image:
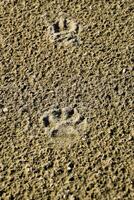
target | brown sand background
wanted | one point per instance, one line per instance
(95, 76)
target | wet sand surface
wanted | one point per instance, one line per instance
(66, 99)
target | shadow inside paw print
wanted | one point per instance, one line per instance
(64, 30)
(63, 122)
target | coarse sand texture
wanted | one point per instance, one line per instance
(66, 100)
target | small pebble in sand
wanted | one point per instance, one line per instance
(5, 109)
(124, 70)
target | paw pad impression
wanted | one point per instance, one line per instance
(64, 30)
(63, 122)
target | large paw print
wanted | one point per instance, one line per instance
(64, 30)
(63, 122)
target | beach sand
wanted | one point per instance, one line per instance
(66, 100)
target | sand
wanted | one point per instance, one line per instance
(77, 57)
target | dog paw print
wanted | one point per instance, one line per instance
(63, 122)
(64, 30)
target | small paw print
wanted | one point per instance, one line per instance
(64, 30)
(63, 122)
